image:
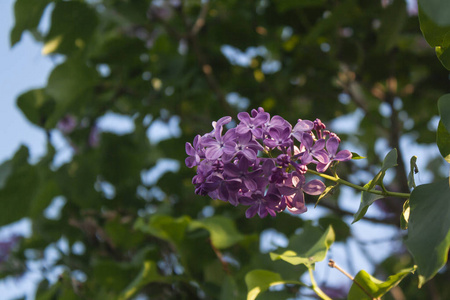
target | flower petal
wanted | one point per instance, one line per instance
(314, 187)
(343, 155)
(304, 125)
(332, 146)
(251, 211)
(213, 153)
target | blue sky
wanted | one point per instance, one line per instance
(22, 68)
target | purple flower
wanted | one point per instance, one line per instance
(223, 189)
(7, 246)
(94, 137)
(215, 146)
(278, 138)
(261, 202)
(242, 145)
(252, 124)
(294, 189)
(313, 150)
(241, 171)
(194, 153)
(276, 122)
(332, 146)
(67, 124)
(301, 127)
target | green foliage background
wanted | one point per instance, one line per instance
(165, 62)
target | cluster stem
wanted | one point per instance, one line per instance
(338, 180)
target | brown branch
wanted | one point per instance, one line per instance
(200, 22)
(207, 70)
(220, 257)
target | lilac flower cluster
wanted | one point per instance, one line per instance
(258, 163)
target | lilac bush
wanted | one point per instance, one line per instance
(262, 162)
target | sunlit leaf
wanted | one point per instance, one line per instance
(404, 217)
(165, 227)
(222, 230)
(373, 286)
(413, 170)
(149, 273)
(315, 252)
(259, 281)
(357, 156)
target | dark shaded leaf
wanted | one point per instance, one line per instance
(443, 141)
(429, 229)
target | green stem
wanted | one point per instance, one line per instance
(359, 188)
(316, 288)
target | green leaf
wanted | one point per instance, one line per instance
(317, 250)
(72, 25)
(429, 229)
(36, 106)
(20, 184)
(259, 281)
(165, 227)
(70, 80)
(404, 218)
(149, 273)
(444, 110)
(27, 14)
(438, 36)
(357, 156)
(390, 160)
(375, 287)
(5, 171)
(392, 22)
(413, 170)
(367, 199)
(69, 84)
(113, 275)
(438, 10)
(325, 193)
(222, 230)
(443, 141)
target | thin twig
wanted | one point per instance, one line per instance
(332, 264)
